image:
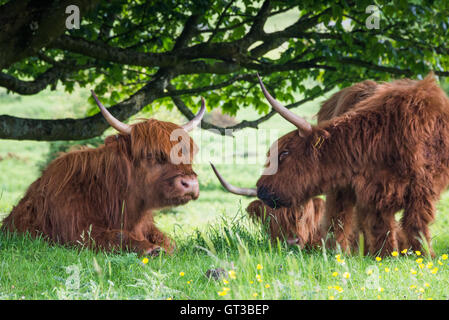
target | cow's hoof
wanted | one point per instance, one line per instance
(154, 252)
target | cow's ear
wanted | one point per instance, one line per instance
(318, 138)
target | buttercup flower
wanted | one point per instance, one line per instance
(444, 256)
(259, 267)
(334, 274)
(404, 251)
(346, 275)
(267, 286)
(418, 253)
(413, 271)
(145, 260)
(232, 274)
(182, 274)
(419, 260)
(394, 253)
(378, 259)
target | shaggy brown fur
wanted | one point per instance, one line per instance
(104, 197)
(302, 226)
(391, 150)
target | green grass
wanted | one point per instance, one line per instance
(212, 232)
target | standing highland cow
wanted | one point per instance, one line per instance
(104, 198)
(391, 150)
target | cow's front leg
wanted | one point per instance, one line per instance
(146, 229)
(379, 228)
(114, 239)
(418, 214)
(340, 217)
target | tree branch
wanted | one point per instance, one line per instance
(79, 129)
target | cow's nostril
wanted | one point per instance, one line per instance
(184, 184)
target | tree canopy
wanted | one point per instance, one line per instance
(134, 53)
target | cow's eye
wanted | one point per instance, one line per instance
(283, 155)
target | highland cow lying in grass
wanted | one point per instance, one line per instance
(300, 226)
(104, 197)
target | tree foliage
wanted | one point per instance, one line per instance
(134, 53)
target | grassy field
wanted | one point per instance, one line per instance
(212, 232)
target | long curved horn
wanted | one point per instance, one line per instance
(249, 192)
(299, 122)
(116, 124)
(192, 124)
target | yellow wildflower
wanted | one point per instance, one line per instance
(396, 269)
(145, 260)
(418, 253)
(346, 275)
(387, 270)
(331, 298)
(404, 251)
(413, 271)
(419, 260)
(440, 263)
(258, 278)
(225, 281)
(232, 274)
(267, 286)
(421, 290)
(434, 270)
(380, 289)
(429, 265)
(369, 272)
(255, 294)
(378, 259)
(426, 285)
(444, 256)
(334, 274)
(421, 266)
(412, 286)
(226, 289)
(169, 298)
(394, 253)
(182, 274)
(222, 293)
(259, 267)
